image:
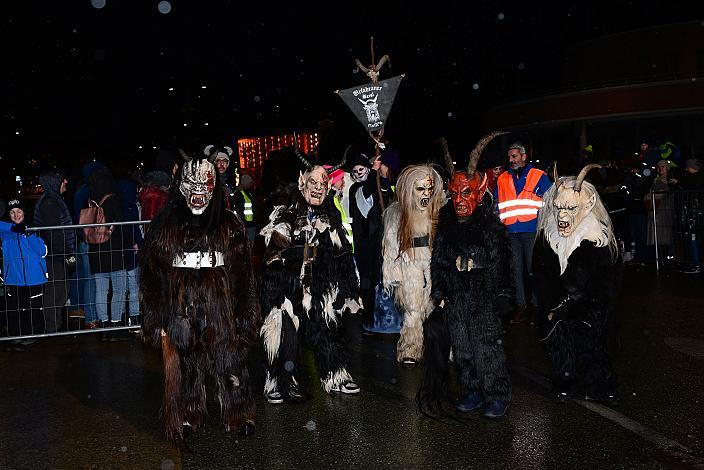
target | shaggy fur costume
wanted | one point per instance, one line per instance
(205, 320)
(470, 322)
(308, 297)
(576, 282)
(411, 278)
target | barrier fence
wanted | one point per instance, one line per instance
(48, 290)
(676, 227)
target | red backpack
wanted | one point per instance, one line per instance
(94, 214)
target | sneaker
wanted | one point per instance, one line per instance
(295, 394)
(91, 325)
(274, 397)
(690, 270)
(471, 402)
(495, 409)
(349, 388)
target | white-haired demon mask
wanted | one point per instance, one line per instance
(197, 184)
(573, 201)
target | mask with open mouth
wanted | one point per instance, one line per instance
(197, 184)
(314, 184)
(574, 200)
(467, 193)
(423, 191)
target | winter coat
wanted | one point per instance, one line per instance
(23, 262)
(51, 210)
(154, 194)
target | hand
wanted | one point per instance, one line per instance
(377, 164)
(19, 228)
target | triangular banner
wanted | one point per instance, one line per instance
(372, 102)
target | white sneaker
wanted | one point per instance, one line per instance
(274, 397)
(349, 388)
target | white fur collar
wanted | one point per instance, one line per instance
(589, 229)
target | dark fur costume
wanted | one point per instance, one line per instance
(209, 316)
(470, 322)
(577, 345)
(331, 280)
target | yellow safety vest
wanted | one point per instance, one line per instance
(248, 211)
(345, 223)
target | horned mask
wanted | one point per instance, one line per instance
(467, 188)
(197, 184)
(314, 182)
(573, 200)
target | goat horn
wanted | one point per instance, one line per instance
(448, 158)
(477, 151)
(302, 158)
(361, 66)
(339, 165)
(555, 176)
(583, 174)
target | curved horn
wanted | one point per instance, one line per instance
(555, 176)
(583, 174)
(302, 158)
(360, 66)
(382, 61)
(339, 165)
(448, 158)
(477, 152)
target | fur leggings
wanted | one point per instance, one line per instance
(184, 387)
(475, 335)
(579, 351)
(282, 346)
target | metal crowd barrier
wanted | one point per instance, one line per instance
(676, 227)
(94, 288)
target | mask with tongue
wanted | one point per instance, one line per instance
(197, 184)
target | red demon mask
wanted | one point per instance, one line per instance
(467, 193)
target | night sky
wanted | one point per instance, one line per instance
(79, 80)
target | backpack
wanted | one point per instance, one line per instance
(94, 214)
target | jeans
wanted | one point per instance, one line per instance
(522, 248)
(133, 291)
(119, 287)
(86, 284)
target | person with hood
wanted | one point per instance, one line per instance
(127, 191)
(155, 191)
(107, 259)
(52, 211)
(24, 274)
(83, 295)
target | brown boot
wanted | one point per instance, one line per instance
(519, 314)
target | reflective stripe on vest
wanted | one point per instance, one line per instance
(248, 212)
(345, 222)
(522, 207)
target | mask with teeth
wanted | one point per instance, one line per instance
(197, 184)
(314, 184)
(360, 173)
(423, 191)
(466, 193)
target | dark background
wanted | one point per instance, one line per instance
(81, 82)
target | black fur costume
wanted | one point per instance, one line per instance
(470, 322)
(332, 283)
(578, 331)
(205, 320)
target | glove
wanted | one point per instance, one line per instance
(70, 262)
(19, 228)
(503, 306)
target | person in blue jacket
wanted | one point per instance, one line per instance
(24, 274)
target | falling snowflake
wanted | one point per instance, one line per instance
(521, 66)
(475, 86)
(501, 16)
(310, 425)
(288, 365)
(164, 7)
(257, 99)
(97, 3)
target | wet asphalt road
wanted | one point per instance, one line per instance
(77, 402)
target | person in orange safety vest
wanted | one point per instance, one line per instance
(519, 195)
